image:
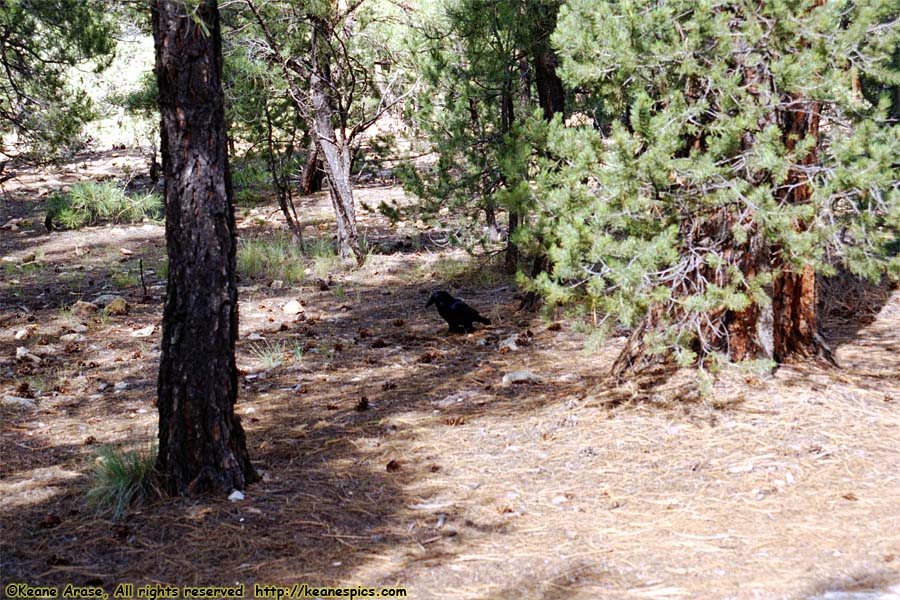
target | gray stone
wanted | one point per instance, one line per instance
(522, 377)
(17, 402)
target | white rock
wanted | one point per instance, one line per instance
(522, 377)
(71, 337)
(21, 352)
(77, 328)
(21, 334)
(277, 284)
(236, 496)
(121, 386)
(144, 332)
(292, 308)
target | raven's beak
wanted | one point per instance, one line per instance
(430, 301)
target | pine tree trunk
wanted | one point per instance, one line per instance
(789, 328)
(334, 148)
(201, 442)
(794, 294)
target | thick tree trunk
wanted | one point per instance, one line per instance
(201, 442)
(789, 327)
(794, 293)
(334, 147)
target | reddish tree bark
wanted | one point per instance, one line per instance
(794, 293)
(201, 442)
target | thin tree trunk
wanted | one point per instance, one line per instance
(280, 180)
(312, 176)
(334, 148)
(202, 447)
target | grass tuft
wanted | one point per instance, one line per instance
(269, 354)
(122, 479)
(90, 203)
(280, 258)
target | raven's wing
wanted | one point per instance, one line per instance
(463, 310)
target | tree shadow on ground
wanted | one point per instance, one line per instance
(848, 303)
(856, 586)
(334, 493)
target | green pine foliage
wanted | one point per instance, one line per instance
(42, 41)
(478, 84)
(674, 214)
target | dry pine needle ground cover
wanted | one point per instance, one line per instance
(394, 455)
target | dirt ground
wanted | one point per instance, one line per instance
(394, 455)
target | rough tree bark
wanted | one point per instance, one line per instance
(789, 328)
(201, 442)
(794, 293)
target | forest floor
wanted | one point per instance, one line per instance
(393, 454)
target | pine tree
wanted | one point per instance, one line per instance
(40, 43)
(740, 160)
(489, 68)
(201, 441)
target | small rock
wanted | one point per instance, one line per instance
(454, 399)
(117, 307)
(12, 259)
(236, 496)
(255, 337)
(21, 352)
(17, 402)
(29, 257)
(21, 334)
(121, 386)
(292, 308)
(71, 337)
(126, 251)
(522, 377)
(84, 309)
(144, 331)
(277, 285)
(77, 328)
(104, 299)
(508, 345)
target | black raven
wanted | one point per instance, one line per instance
(457, 313)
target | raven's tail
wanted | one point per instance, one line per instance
(484, 320)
